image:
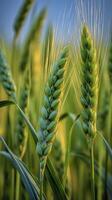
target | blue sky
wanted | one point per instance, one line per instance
(56, 8)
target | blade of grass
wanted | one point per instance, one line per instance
(28, 180)
(5, 103)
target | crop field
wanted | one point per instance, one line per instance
(56, 101)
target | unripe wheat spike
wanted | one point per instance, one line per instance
(22, 15)
(89, 86)
(34, 33)
(21, 137)
(6, 78)
(48, 120)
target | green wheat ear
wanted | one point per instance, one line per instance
(21, 137)
(22, 15)
(48, 120)
(6, 78)
(89, 86)
(33, 35)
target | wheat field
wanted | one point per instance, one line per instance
(56, 103)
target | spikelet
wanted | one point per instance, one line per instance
(22, 15)
(6, 78)
(21, 138)
(34, 33)
(48, 120)
(89, 86)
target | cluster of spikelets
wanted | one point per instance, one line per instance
(33, 35)
(49, 112)
(22, 14)
(89, 85)
(6, 78)
(21, 137)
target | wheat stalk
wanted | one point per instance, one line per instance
(49, 112)
(57, 155)
(6, 78)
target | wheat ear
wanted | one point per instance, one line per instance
(33, 35)
(6, 78)
(89, 91)
(22, 15)
(89, 87)
(48, 120)
(21, 137)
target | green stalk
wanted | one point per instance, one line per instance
(41, 183)
(67, 155)
(109, 138)
(92, 169)
(17, 195)
(110, 118)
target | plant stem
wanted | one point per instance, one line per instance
(109, 138)
(17, 186)
(67, 155)
(41, 184)
(92, 170)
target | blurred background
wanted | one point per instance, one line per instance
(63, 14)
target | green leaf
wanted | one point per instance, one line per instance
(85, 158)
(69, 115)
(107, 145)
(5, 103)
(30, 184)
(32, 130)
(54, 181)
